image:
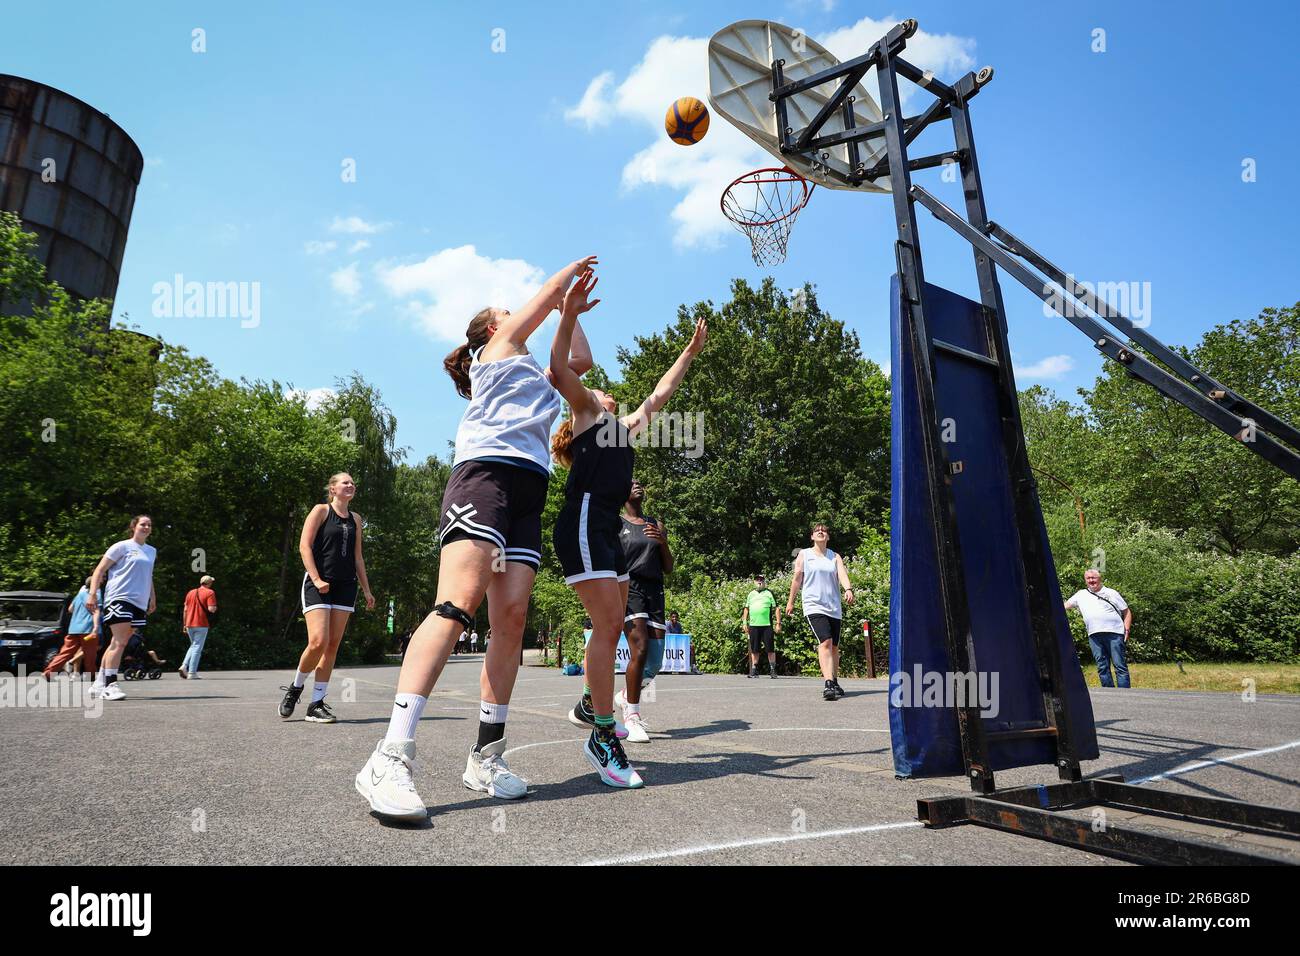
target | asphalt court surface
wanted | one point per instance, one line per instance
(738, 771)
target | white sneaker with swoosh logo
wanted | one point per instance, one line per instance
(385, 781)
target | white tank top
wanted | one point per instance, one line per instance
(821, 584)
(510, 414)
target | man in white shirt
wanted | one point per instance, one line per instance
(1108, 619)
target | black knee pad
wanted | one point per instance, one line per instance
(447, 609)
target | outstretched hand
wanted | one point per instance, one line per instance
(577, 300)
(699, 338)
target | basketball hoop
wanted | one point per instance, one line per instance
(763, 205)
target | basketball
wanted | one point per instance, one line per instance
(687, 121)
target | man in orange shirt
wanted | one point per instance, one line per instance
(199, 605)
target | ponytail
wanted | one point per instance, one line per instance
(562, 443)
(458, 361)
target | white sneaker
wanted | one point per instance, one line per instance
(486, 772)
(113, 692)
(637, 731)
(620, 699)
(385, 781)
(96, 691)
(611, 763)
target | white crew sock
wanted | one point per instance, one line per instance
(407, 710)
(300, 678)
(318, 692)
(492, 713)
(630, 708)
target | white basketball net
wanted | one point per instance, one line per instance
(764, 205)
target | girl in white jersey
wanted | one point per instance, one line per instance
(818, 575)
(128, 596)
(491, 536)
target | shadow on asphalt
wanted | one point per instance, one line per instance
(1159, 753)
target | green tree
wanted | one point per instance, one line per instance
(795, 428)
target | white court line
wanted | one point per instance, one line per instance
(1213, 761)
(757, 841)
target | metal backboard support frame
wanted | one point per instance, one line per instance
(799, 143)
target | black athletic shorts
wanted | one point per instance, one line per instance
(645, 600)
(120, 612)
(760, 636)
(826, 628)
(496, 502)
(342, 596)
(587, 541)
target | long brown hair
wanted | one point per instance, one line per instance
(136, 520)
(562, 443)
(457, 362)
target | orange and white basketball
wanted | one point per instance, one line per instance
(687, 121)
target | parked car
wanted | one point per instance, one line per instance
(32, 627)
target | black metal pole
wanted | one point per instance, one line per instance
(943, 516)
(1040, 593)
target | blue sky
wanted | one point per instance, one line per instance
(553, 148)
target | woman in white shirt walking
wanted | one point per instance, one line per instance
(127, 567)
(818, 575)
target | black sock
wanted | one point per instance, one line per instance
(586, 704)
(110, 679)
(489, 734)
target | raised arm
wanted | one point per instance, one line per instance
(561, 372)
(516, 327)
(577, 301)
(640, 418)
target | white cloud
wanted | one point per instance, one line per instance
(314, 397)
(354, 225)
(445, 290)
(1054, 366)
(358, 246)
(346, 281)
(314, 247)
(678, 66)
(594, 108)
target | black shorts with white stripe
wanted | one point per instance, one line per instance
(645, 600)
(587, 541)
(122, 612)
(496, 502)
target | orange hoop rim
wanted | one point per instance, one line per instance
(749, 179)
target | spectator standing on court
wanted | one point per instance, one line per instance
(760, 604)
(1108, 620)
(200, 605)
(473, 642)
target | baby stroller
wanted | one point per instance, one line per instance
(139, 663)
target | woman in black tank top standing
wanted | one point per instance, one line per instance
(330, 546)
(597, 448)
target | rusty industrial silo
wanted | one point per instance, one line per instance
(70, 173)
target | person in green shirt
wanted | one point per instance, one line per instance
(757, 620)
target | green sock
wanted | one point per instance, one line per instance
(605, 725)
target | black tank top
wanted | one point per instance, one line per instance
(644, 559)
(335, 547)
(602, 463)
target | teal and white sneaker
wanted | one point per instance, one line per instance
(486, 772)
(581, 716)
(611, 764)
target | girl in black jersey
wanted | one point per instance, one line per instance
(330, 546)
(645, 544)
(597, 448)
